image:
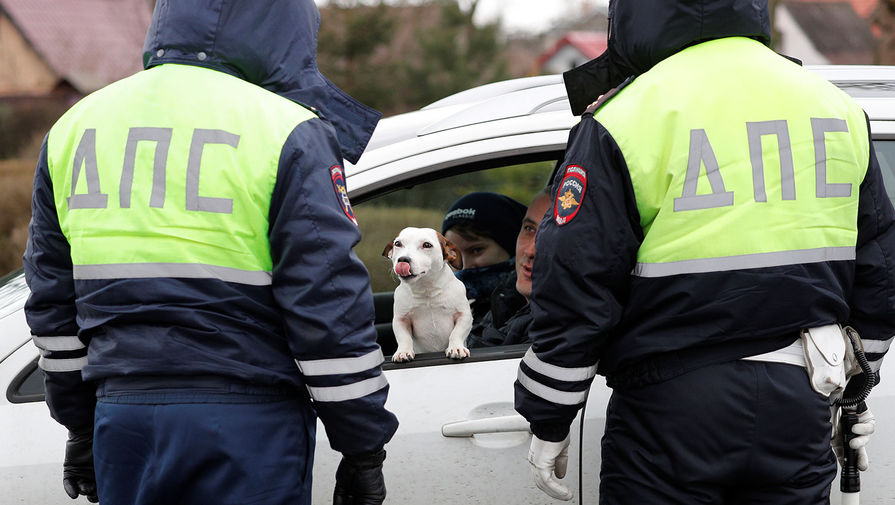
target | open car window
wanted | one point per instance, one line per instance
(423, 205)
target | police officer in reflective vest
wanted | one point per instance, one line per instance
(195, 297)
(717, 200)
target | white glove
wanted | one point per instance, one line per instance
(863, 428)
(548, 459)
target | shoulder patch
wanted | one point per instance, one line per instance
(342, 192)
(570, 194)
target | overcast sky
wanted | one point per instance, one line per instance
(530, 15)
(526, 15)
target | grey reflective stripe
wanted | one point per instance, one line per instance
(550, 394)
(194, 165)
(742, 262)
(824, 189)
(877, 346)
(162, 139)
(701, 153)
(58, 343)
(62, 365)
(86, 155)
(557, 372)
(185, 270)
(334, 366)
(354, 391)
(754, 132)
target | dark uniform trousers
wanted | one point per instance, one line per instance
(743, 432)
(215, 445)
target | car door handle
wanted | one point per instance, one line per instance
(501, 424)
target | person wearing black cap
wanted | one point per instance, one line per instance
(509, 319)
(484, 226)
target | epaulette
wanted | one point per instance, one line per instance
(317, 112)
(605, 97)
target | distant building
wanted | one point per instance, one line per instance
(882, 20)
(572, 50)
(826, 31)
(864, 7)
(818, 32)
(66, 47)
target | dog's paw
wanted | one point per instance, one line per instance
(457, 352)
(402, 356)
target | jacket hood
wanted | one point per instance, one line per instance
(270, 43)
(644, 32)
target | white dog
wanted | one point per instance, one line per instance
(431, 312)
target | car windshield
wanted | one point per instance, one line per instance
(13, 292)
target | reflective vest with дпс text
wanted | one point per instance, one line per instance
(148, 191)
(757, 183)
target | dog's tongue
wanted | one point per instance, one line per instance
(402, 269)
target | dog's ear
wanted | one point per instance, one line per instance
(450, 252)
(387, 252)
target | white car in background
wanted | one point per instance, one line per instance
(460, 441)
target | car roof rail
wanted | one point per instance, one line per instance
(494, 89)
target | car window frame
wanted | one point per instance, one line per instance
(480, 354)
(513, 351)
(13, 394)
(459, 169)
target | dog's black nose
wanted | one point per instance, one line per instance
(404, 259)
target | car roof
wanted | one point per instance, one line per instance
(500, 100)
(533, 95)
(522, 108)
(13, 294)
(502, 118)
(872, 86)
(860, 80)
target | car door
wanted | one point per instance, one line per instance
(32, 444)
(460, 439)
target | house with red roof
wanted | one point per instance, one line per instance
(66, 47)
(572, 50)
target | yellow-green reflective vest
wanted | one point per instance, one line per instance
(756, 183)
(177, 187)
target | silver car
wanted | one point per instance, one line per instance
(460, 441)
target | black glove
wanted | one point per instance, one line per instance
(78, 477)
(359, 480)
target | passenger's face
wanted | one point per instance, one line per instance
(525, 243)
(477, 251)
